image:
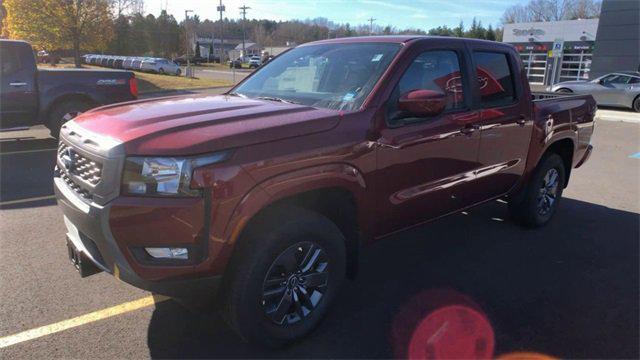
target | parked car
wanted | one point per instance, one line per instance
(126, 64)
(32, 96)
(235, 63)
(160, 66)
(43, 56)
(255, 62)
(193, 60)
(136, 63)
(619, 89)
(265, 194)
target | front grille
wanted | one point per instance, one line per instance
(75, 187)
(79, 172)
(87, 170)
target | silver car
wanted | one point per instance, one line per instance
(619, 89)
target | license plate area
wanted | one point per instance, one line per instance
(80, 261)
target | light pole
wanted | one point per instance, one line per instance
(186, 36)
(371, 20)
(221, 9)
(244, 9)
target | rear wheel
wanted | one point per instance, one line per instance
(564, 91)
(541, 196)
(63, 112)
(288, 270)
(636, 104)
(161, 71)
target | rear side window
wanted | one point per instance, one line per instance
(495, 79)
(9, 60)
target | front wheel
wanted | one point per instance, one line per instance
(287, 271)
(541, 196)
(636, 104)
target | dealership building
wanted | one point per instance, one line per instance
(554, 51)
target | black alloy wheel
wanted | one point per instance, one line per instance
(295, 283)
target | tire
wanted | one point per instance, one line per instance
(63, 112)
(178, 72)
(636, 104)
(564, 91)
(161, 71)
(538, 202)
(278, 244)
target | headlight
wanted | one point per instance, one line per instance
(164, 176)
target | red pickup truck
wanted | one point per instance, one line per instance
(264, 195)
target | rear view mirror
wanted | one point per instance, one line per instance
(421, 103)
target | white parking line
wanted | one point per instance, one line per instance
(26, 151)
(38, 332)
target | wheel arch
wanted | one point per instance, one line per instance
(338, 193)
(565, 148)
(64, 98)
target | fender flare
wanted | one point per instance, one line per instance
(269, 191)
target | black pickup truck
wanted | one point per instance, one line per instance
(31, 96)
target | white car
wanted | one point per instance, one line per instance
(255, 62)
(160, 66)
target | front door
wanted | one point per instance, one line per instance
(421, 161)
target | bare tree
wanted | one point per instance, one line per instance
(552, 10)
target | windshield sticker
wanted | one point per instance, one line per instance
(349, 96)
(377, 57)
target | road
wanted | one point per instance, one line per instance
(568, 290)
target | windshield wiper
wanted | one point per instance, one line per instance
(273, 98)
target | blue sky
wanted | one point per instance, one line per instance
(423, 14)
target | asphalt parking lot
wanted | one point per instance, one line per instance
(569, 290)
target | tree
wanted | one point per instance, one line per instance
(552, 10)
(459, 30)
(490, 34)
(197, 50)
(61, 24)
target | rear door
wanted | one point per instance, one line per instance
(422, 161)
(505, 121)
(18, 92)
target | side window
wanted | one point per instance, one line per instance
(437, 70)
(9, 61)
(495, 79)
(634, 80)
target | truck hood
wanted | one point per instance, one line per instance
(189, 125)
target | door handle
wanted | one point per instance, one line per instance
(18, 84)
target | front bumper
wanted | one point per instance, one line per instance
(89, 231)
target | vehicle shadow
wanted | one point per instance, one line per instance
(26, 171)
(568, 290)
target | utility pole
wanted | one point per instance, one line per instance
(371, 20)
(221, 9)
(243, 11)
(186, 36)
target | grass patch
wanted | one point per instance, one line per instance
(148, 82)
(154, 82)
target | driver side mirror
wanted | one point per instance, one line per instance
(422, 103)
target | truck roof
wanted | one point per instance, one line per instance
(400, 39)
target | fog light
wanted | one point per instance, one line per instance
(168, 253)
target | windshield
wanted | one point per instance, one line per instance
(331, 76)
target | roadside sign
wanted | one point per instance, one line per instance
(556, 50)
